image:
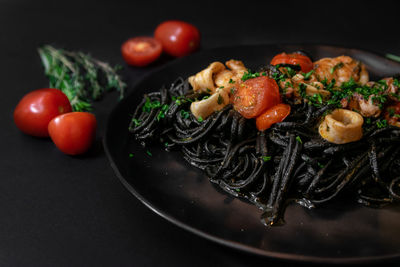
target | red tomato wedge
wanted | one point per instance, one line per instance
(293, 59)
(37, 108)
(273, 115)
(73, 133)
(141, 51)
(254, 96)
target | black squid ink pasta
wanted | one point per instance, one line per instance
(289, 162)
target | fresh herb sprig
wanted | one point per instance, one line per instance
(81, 77)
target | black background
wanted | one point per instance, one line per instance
(57, 210)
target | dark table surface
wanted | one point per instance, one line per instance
(58, 210)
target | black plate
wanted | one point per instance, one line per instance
(182, 194)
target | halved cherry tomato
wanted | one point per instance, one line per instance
(293, 59)
(255, 95)
(141, 51)
(73, 133)
(37, 108)
(178, 38)
(273, 115)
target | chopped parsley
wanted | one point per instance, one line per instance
(291, 72)
(337, 66)
(381, 123)
(136, 122)
(161, 114)
(302, 90)
(180, 100)
(299, 139)
(200, 119)
(185, 114)
(266, 158)
(148, 105)
(250, 75)
(231, 81)
(307, 75)
(220, 100)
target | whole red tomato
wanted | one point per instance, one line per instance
(37, 108)
(141, 51)
(73, 133)
(178, 38)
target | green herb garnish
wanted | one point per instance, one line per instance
(220, 100)
(200, 119)
(266, 158)
(163, 110)
(337, 66)
(308, 75)
(79, 76)
(136, 122)
(250, 75)
(291, 72)
(381, 124)
(299, 139)
(185, 114)
(149, 105)
(149, 153)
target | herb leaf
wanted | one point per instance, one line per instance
(79, 76)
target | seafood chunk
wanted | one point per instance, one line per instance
(203, 82)
(342, 126)
(341, 69)
(206, 107)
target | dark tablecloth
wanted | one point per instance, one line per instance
(57, 210)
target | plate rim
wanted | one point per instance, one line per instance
(225, 242)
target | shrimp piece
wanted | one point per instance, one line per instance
(341, 69)
(367, 107)
(312, 87)
(391, 88)
(227, 78)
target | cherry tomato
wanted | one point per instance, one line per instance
(178, 38)
(255, 95)
(141, 51)
(273, 115)
(293, 59)
(37, 108)
(73, 133)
